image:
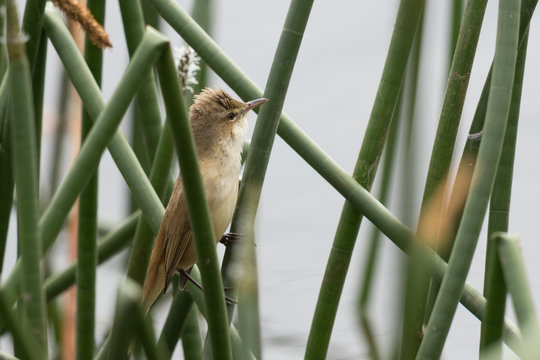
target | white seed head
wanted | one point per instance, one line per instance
(187, 64)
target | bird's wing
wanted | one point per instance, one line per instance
(177, 231)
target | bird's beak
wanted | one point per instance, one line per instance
(250, 105)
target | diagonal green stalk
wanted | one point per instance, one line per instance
(408, 17)
(312, 153)
(25, 170)
(87, 229)
(515, 275)
(499, 209)
(482, 181)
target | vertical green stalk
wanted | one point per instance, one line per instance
(176, 318)
(257, 163)
(409, 14)
(124, 322)
(151, 16)
(372, 254)
(30, 348)
(482, 180)
(456, 90)
(6, 180)
(197, 204)
(26, 177)
(513, 268)
(202, 14)
(455, 24)
(88, 207)
(499, 209)
(191, 337)
(32, 23)
(418, 299)
(147, 103)
(38, 83)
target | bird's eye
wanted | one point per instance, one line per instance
(231, 116)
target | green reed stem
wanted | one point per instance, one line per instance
(202, 13)
(147, 104)
(499, 209)
(371, 256)
(456, 90)
(31, 26)
(413, 265)
(30, 347)
(25, 170)
(191, 337)
(124, 322)
(256, 165)
(88, 206)
(38, 85)
(238, 347)
(147, 337)
(176, 319)
(159, 176)
(482, 181)
(515, 275)
(6, 180)
(115, 241)
(197, 204)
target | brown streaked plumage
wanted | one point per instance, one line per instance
(219, 124)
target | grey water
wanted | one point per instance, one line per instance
(330, 97)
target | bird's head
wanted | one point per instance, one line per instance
(215, 114)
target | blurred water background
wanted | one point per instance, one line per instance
(330, 98)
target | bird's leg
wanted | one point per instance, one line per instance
(186, 274)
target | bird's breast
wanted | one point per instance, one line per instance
(220, 177)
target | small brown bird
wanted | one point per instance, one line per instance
(219, 124)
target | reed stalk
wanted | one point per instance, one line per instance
(499, 210)
(482, 181)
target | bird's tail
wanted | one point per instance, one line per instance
(155, 277)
